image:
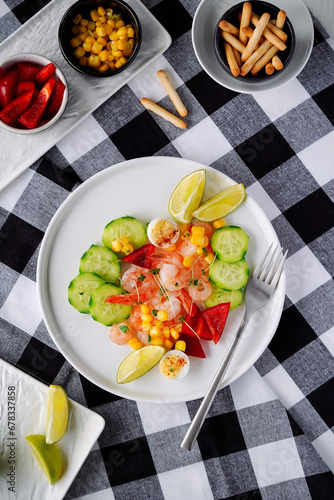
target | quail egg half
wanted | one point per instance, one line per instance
(163, 233)
(174, 364)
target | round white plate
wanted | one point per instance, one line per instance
(204, 24)
(141, 188)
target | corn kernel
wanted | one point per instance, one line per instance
(198, 230)
(132, 341)
(91, 26)
(94, 15)
(155, 331)
(87, 46)
(199, 250)
(75, 29)
(111, 23)
(166, 333)
(103, 68)
(127, 249)
(180, 345)
(197, 239)
(178, 327)
(122, 44)
(98, 23)
(100, 31)
(137, 345)
(119, 24)
(218, 223)
(83, 61)
(75, 42)
(116, 246)
(90, 39)
(101, 10)
(146, 318)
(162, 315)
(111, 65)
(188, 261)
(113, 36)
(102, 41)
(146, 326)
(209, 258)
(122, 60)
(79, 52)
(84, 22)
(94, 61)
(103, 19)
(108, 29)
(103, 56)
(131, 32)
(206, 241)
(77, 19)
(125, 240)
(82, 29)
(97, 47)
(157, 341)
(174, 333)
(144, 309)
(117, 53)
(159, 324)
(118, 64)
(83, 36)
(168, 344)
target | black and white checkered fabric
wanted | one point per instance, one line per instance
(269, 435)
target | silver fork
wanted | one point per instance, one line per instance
(259, 289)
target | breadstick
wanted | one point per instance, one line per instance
(233, 41)
(264, 59)
(248, 31)
(180, 107)
(237, 57)
(272, 25)
(269, 68)
(152, 106)
(277, 63)
(281, 16)
(247, 66)
(231, 59)
(255, 37)
(269, 35)
(244, 21)
(230, 28)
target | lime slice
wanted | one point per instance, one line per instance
(139, 362)
(222, 204)
(187, 196)
(48, 457)
(57, 412)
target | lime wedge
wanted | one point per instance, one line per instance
(222, 204)
(139, 362)
(57, 412)
(187, 196)
(48, 457)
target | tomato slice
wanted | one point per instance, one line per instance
(141, 256)
(45, 74)
(11, 113)
(56, 99)
(215, 318)
(34, 114)
(7, 88)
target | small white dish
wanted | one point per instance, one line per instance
(40, 60)
(205, 20)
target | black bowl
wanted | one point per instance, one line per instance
(83, 7)
(259, 8)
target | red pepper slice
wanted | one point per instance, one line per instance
(27, 72)
(141, 257)
(10, 113)
(215, 318)
(7, 88)
(56, 99)
(34, 114)
(45, 74)
(194, 324)
(23, 87)
(193, 346)
(3, 72)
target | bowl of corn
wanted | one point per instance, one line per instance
(99, 38)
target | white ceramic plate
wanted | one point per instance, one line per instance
(25, 397)
(204, 24)
(140, 188)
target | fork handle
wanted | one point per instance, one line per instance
(202, 411)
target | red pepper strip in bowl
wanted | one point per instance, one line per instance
(56, 99)
(11, 113)
(45, 74)
(7, 88)
(34, 114)
(27, 72)
(2, 72)
(23, 87)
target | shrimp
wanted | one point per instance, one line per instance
(170, 304)
(139, 282)
(135, 318)
(171, 277)
(162, 256)
(119, 336)
(186, 248)
(199, 288)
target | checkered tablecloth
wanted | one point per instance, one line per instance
(269, 435)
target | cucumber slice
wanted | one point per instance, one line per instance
(107, 313)
(229, 276)
(101, 261)
(220, 296)
(230, 243)
(80, 290)
(125, 227)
